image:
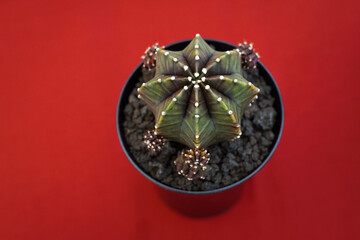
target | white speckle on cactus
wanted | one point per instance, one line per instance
(197, 115)
(207, 87)
(204, 70)
(143, 84)
(256, 97)
(196, 74)
(186, 67)
(196, 86)
(189, 78)
(196, 46)
(139, 96)
(219, 99)
(186, 88)
(235, 80)
(166, 53)
(197, 136)
(174, 99)
(237, 50)
(138, 89)
(159, 80)
(155, 126)
(230, 112)
(196, 104)
(250, 83)
(197, 57)
(198, 81)
(163, 113)
(193, 82)
(217, 59)
(203, 79)
(197, 35)
(175, 59)
(221, 77)
(172, 78)
(228, 52)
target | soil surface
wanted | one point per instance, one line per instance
(230, 161)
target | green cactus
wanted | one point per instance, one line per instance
(198, 95)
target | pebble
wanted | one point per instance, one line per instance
(265, 118)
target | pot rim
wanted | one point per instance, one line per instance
(124, 145)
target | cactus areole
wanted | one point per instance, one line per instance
(198, 95)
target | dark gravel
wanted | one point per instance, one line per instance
(229, 162)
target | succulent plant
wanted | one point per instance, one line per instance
(192, 163)
(153, 142)
(198, 96)
(149, 61)
(249, 57)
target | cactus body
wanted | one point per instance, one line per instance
(192, 163)
(198, 95)
(149, 62)
(153, 142)
(249, 57)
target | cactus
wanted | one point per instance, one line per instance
(149, 61)
(249, 57)
(198, 95)
(192, 164)
(153, 142)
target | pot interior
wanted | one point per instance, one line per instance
(219, 46)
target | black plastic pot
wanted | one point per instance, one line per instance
(199, 203)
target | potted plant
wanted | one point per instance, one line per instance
(198, 118)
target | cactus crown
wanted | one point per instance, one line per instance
(198, 95)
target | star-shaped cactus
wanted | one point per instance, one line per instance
(198, 95)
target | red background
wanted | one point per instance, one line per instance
(63, 174)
